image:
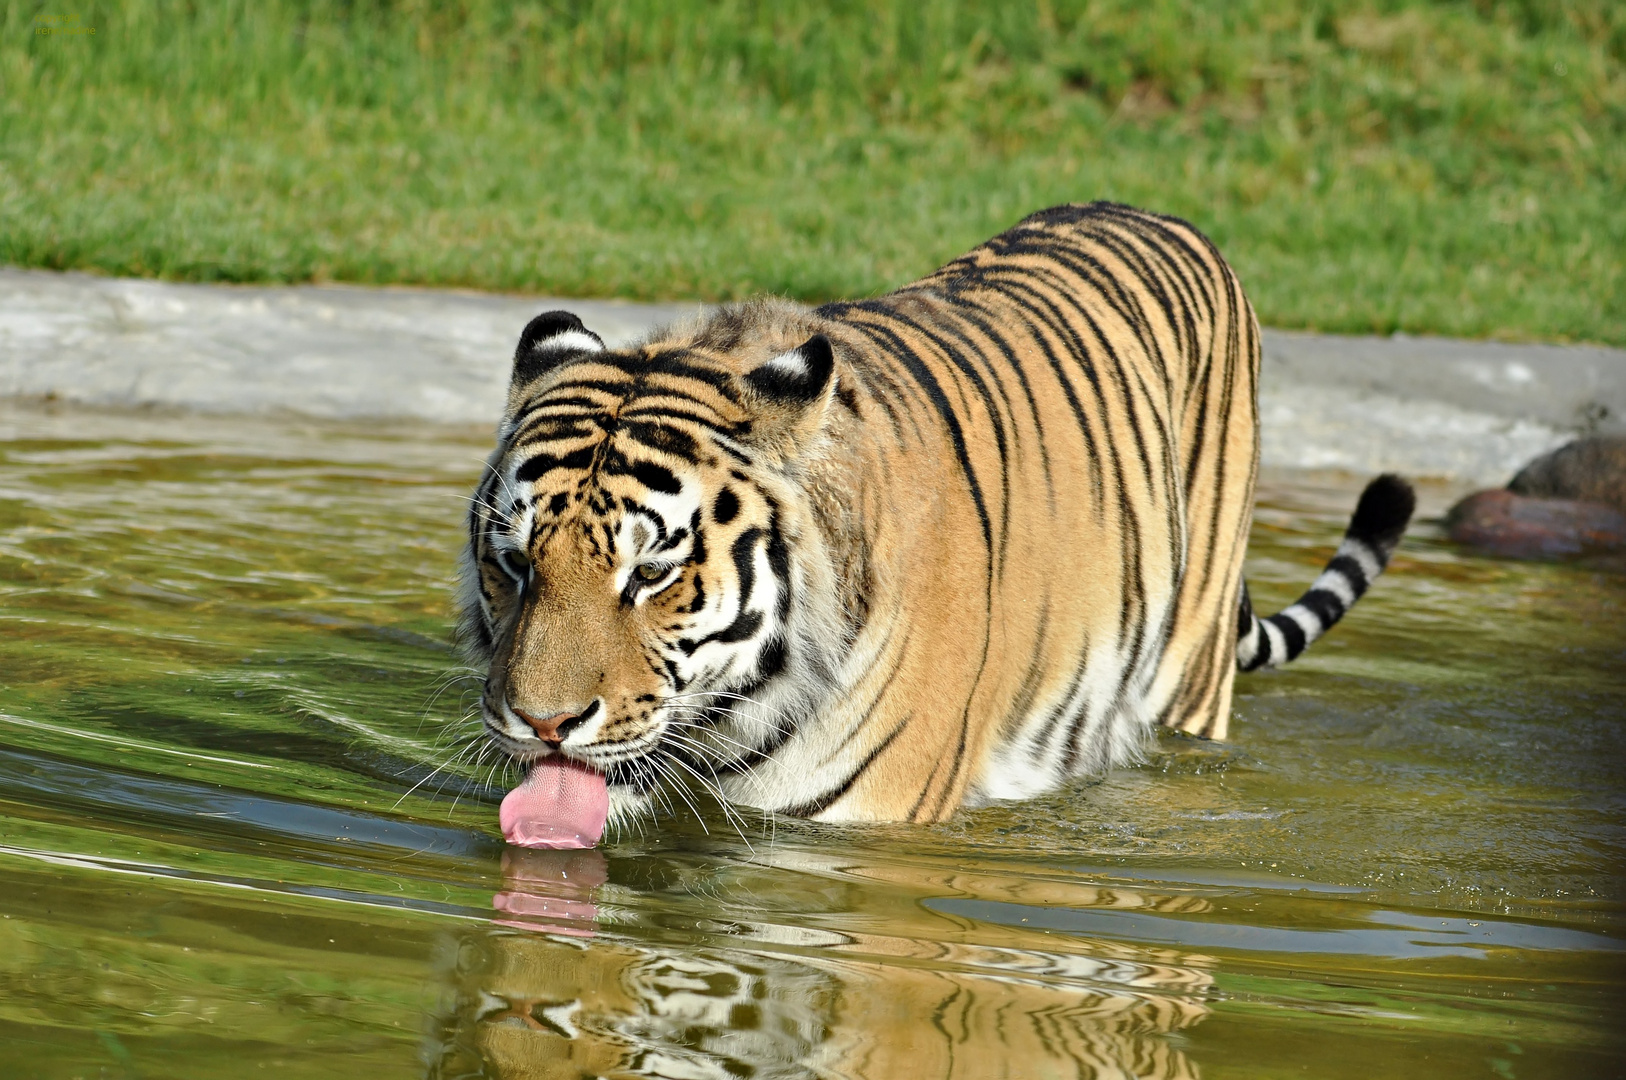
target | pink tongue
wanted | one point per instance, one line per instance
(558, 805)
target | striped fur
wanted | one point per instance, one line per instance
(1380, 517)
(885, 558)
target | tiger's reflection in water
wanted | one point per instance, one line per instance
(543, 994)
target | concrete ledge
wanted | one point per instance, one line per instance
(328, 351)
(1465, 410)
(1566, 387)
(1470, 411)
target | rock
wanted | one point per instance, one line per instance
(1592, 470)
(1503, 522)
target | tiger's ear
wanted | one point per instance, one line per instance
(547, 340)
(799, 377)
(792, 390)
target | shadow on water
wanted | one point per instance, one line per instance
(244, 828)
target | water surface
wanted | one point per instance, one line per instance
(243, 829)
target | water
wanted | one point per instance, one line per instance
(225, 678)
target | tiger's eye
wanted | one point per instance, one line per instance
(649, 572)
(517, 564)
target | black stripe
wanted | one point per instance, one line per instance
(681, 364)
(869, 377)
(616, 390)
(652, 476)
(962, 360)
(1115, 368)
(1261, 656)
(726, 505)
(668, 406)
(1350, 567)
(552, 400)
(1033, 677)
(528, 412)
(556, 429)
(1069, 751)
(672, 673)
(741, 458)
(778, 557)
(747, 622)
(742, 628)
(823, 802)
(1043, 745)
(770, 664)
(665, 438)
(1292, 634)
(697, 553)
(656, 477)
(940, 401)
(532, 469)
(924, 378)
(1324, 605)
(1057, 323)
(970, 312)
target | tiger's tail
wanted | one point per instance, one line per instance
(1380, 518)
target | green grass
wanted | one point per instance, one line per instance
(1455, 168)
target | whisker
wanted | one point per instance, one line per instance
(662, 765)
(479, 762)
(736, 822)
(428, 776)
(693, 712)
(678, 737)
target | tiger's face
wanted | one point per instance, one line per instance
(615, 590)
(629, 578)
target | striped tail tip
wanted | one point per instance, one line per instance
(1380, 519)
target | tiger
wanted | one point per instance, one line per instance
(882, 559)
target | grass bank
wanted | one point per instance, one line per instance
(1454, 168)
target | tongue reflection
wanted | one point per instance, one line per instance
(559, 805)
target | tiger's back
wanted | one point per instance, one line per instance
(1075, 401)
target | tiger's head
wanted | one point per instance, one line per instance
(644, 583)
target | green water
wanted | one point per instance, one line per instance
(225, 679)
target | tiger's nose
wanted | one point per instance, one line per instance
(550, 729)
